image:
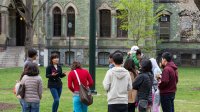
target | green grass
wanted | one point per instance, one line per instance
(187, 97)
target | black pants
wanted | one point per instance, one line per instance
(167, 102)
(118, 108)
(131, 107)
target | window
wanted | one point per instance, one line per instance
(69, 55)
(105, 23)
(165, 27)
(103, 58)
(0, 23)
(198, 59)
(58, 53)
(120, 32)
(71, 19)
(186, 59)
(57, 21)
(186, 25)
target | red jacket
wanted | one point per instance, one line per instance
(84, 77)
(169, 79)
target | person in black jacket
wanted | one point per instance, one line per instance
(143, 85)
(54, 73)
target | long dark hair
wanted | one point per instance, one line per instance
(53, 56)
(146, 66)
(76, 65)
(32, 69)
(130, 66)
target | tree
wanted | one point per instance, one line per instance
(27, 13)
(138, 18)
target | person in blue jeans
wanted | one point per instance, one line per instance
(54, 74)
(73, 85)
(33, 88)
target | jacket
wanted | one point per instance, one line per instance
(169, 79)
(54, 81)
(33, 88)
(117, 83)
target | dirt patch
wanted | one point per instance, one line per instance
(6, 106)
(196, 89)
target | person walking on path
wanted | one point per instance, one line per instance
(73, 85)
(54, 74)
(168, 85)
(33, 88)
(117, 83)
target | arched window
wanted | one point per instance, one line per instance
(164, 27)
(69, 55)
(121, 32)
(57, 21)
(71, 19)
(103, 58)
(105, 23)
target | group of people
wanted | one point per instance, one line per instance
(140, 82)
(32, 81)
(135, 82)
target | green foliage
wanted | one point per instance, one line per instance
(141, 18)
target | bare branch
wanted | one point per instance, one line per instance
(39, 10)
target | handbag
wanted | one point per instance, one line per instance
(85, 94)
(21, 91)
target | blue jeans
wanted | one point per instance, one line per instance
(78, 105)
(22, 104)
(56, 92)
(31, 107)
(167, 102)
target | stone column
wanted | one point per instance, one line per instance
(63, 26)
(113, 24)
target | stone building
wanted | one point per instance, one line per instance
(178, 31)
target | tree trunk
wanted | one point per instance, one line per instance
(29, 26)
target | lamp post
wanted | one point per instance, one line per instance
(92, 45)
(70, 27)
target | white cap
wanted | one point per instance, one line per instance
(134, 49)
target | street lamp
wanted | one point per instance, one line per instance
(69, 28)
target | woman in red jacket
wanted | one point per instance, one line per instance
(73, 85)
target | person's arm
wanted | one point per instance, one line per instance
(164, 78)
(61, 73)
(138, 81)
(90, 80)
(71, 88)
(48, 72)
(40, 87)
(107, 81)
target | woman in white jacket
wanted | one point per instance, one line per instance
(155, 91)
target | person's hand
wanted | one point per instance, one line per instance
(66, 73)
(129, 53)
(54, 74)
(158, 77)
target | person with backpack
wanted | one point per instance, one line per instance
(33, 88)
(168, 85)
(143, 85)
(73, 85)
(54, 74)
(117, 83)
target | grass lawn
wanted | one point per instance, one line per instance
(187, 97)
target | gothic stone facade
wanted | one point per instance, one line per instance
(178, 30)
